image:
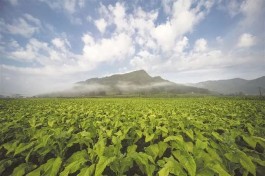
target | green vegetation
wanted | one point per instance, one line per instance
(180, 136)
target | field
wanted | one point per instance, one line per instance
(132, 136)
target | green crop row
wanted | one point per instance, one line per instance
(133, 136)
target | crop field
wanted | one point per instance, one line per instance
(132, 136)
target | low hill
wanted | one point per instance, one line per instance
(235, 86)
(132, 83)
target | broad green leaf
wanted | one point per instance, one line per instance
(145, 162)
(217, 136)
(162, 148)
(51, 168)
(164, 129)
(102, 164)
(233, 157)
(189, 147)
(139, 133)
(250, 129)
(217, 168)
(121, 165)
(100, 147)
(161, 162)
(152, 150)
(189, 133)
(32, 122)
(73, 167)
(149, 137)
(174, 138)
(205, 172)
(10, 147)
(200, 144)
(131, 149)
(214, 155)
(171, 166)
(77, 156)
(56, 165)
(85, 134)
(51, 122)
(36, 172)
(23, 168)
(247, 164)
(119, 133)
(22, 147)
(87, 171)
(250, 141)
(259, 161)
(260, 140)
(186, 160)
(109, 132)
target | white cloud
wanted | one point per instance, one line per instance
(183, 20)
(60, 43)
(200, 45)
(88, 39)
(136, 37)
(181, 45)
(45, 54)
(119, 16)
(246, 40)
(70, 6)
(13, 44)
(164, 35)
(252, 11)
(26, 26)
(32, 19)
(101, 25)
(117, 47)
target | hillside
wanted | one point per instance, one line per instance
(138, 83)
(235, 86)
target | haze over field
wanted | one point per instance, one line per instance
(50, 45)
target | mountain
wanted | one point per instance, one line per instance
(139, 77)
(128, 84)
(235, 86)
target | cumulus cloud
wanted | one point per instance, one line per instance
(200, 45)
(133, 38)
(152, 41)
(246, 40)
(101, 25)
(61, 43)
(109, 49)
(183, 20)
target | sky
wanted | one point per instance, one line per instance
(48, 45)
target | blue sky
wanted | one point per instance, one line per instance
(47, 45)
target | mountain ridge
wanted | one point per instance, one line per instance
(141, 75)
(234, 86)
(140, 83)
(136, 82)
